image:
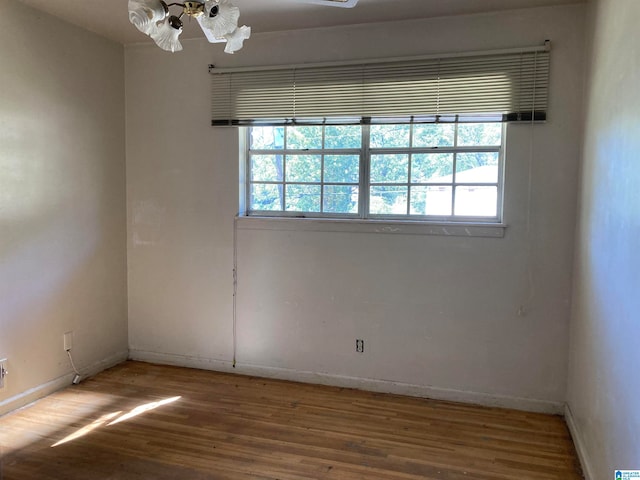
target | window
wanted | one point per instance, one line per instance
(414, 138)
(430, 172)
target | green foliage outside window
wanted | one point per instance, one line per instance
(420, 169)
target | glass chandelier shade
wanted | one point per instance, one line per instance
(145, 14)
(236, 39)
(220, 17)
(166, 34)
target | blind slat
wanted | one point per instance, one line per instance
(514, 85)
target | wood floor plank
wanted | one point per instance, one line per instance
(139, 421)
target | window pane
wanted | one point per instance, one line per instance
(388, 200)
(267, 138)
(432, 167)
(434, 200)
(433, 135)
(340, 199)
(341, 168)
(266, 168)
(476, 201)
(389, 168)
(477, 167)
(389, 136)
(266, 197)
(299, 138)
(485, 134)
(303, 198)
(342, 136)
(303, 168)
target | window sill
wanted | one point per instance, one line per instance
(393, 227)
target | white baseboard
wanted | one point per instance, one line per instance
(36, 393)
(579, 443)
(374, 385)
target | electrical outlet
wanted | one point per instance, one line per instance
(3, 371)
(68, 341)
(359, 345)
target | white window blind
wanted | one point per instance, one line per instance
(510, 84)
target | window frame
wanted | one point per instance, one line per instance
(365, 153)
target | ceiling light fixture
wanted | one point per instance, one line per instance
(334, 3)
(217, 18)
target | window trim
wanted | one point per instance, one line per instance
(387, 227)
(364, 184)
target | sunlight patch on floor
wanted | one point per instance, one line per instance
(116, 418)
(19, 429)
(87, 428)
(144, 408)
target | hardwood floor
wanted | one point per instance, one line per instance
(141, 421)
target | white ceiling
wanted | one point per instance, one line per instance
(109, 18)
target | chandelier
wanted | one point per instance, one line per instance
(217, 18)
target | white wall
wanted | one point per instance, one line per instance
(604, 380)
(439, 315)
(62, 202)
